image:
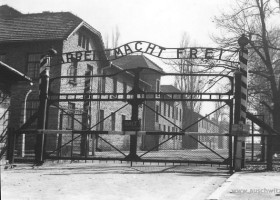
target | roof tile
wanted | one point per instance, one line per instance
(41, 26)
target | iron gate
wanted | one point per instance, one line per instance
(174, 142)
(201, 141)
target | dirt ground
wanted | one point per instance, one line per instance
(106, 181)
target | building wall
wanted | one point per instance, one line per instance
(78, 86)
(4, 116)
(208, 126)
(171, 111)
(16, 55)
(121, 142)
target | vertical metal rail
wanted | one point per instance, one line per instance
(252, 142)
(43, 103)
(11, 145)
(135, 102)
(231, 167)
(237, 104)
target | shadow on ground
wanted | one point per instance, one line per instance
(121, 168)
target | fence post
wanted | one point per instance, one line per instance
(11, 145)
(43, 101)
(237, 139)
(269, 152)
(241, 102)
(230, 140)
(135, 102)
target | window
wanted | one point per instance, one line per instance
(180, 114)
(168, 110)
(159, 127)
(88, 80)
(101, 124)
(164, 127)
(115, 85)
(177, 113)
(103, 85)
(33, 65)
(123, 118)
(83, 41)
(31, 108)
(113, 119)
(3, 57)
(124, 90)
(157, 108)
(73, 72)
(172, 111)
(70, 116)
(168, 128)
(89, 69)
(202, 123)
(164, 109)
(157, 86)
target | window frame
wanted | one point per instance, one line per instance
(34, 64)
(74, 67)
(70, 115)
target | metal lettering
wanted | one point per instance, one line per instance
(148, 48)
(161, 49)
(118, 51)
(87, 54)
(209, 53)
(179, 52)
(136, 46)
(79, 56)
(220, 57)
(69, 57)
(152, 47)
(193, 52)
(127, 49)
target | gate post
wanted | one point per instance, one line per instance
(11, 145)
(240, 103)
(135, 102)
(43, 101)
(269, 152)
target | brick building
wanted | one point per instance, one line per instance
(24, 38)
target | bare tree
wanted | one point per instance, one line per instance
(256, 19)
(188, 84)
(114, 40)
(115, 37)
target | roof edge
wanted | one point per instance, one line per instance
(26, 78)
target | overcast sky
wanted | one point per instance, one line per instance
(162, 22)
(158, 21)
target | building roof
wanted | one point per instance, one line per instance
(134, 61)
(39, 26)
(6, 11)
(169, 89)
(17, 27)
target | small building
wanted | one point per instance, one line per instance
(170, 118)
(9, 79)
(151, 77)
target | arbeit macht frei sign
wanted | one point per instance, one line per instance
(151, 49)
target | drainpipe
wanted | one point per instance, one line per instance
(24, 120)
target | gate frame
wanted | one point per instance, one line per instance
(44, 92)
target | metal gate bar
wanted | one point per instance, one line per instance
(184, 130)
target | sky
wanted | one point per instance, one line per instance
(158, 21)
(162, 22)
